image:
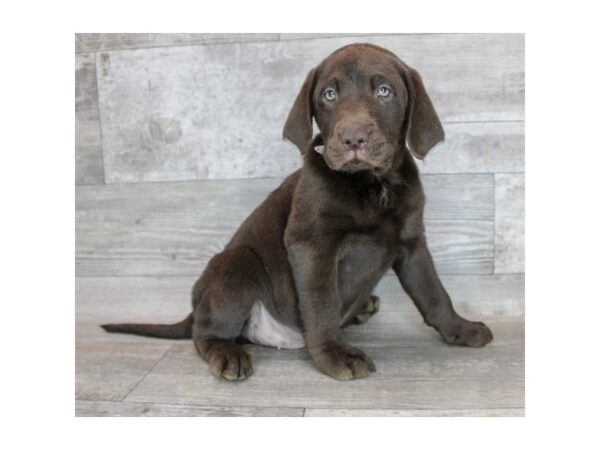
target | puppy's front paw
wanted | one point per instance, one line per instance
(342, 361)
(471, 334)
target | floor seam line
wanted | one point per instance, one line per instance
(147, 372)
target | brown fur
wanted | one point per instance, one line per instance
(314, 250)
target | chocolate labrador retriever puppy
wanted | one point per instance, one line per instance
(305, 262)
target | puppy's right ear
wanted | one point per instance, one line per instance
(298, 126)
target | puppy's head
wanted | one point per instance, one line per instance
(368, 106)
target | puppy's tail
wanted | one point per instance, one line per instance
(179, 330)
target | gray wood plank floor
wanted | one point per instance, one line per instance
(417, 374)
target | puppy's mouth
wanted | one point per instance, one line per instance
(355, 160)
(345, 160)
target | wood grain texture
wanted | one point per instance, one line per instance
(417, 373)
(138, 409)
(413, 372)
(510, 223)
(95, 42)
(506, 412)
(88, 143)
(168, 300)
(175, 228)
(210, 112)
(109, 370)
(477, 147)
(304, 36)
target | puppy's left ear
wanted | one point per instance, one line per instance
(424, 127)
(298, 126)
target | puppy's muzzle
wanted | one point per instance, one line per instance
(352, 144)
(355, 137)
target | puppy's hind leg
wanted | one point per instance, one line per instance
(369, 310)
(361, 311)
(222, 300)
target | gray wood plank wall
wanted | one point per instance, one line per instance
(158, 116)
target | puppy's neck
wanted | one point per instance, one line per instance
(377, 189)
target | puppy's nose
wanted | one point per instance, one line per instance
(355, 138)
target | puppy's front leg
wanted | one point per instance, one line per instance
(416, 272)
(314, 266)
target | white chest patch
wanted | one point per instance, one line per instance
(262, 328)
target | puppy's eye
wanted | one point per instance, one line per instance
(330, 94)
(383, 91)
